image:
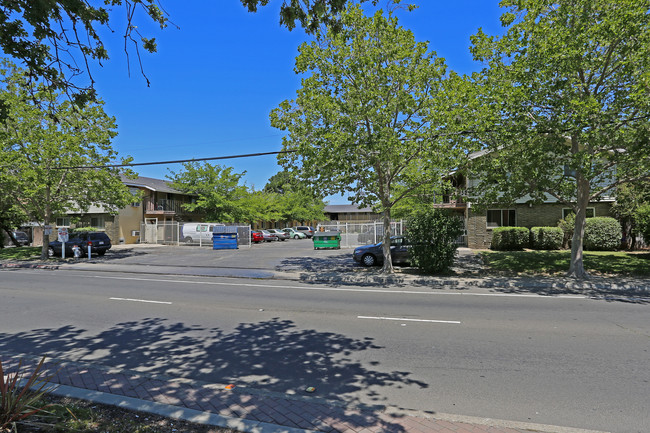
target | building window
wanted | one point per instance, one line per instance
(63, 222)
(591, 212)
(135, 192)
(501, 218)
(97, 222)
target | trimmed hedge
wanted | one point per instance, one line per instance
(510, 238)
(602, 234)
(546, 238)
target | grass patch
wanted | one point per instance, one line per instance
(557, 262)
(81, 416)
(20, 253)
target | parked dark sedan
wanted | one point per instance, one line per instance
(21, 237)
(370, 255)
(99, 244)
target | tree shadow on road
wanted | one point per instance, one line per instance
(271, 355)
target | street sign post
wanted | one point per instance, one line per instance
(63, 238)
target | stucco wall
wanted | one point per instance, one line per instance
(129, 219)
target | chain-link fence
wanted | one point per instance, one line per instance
(356, 234)
(194, 234)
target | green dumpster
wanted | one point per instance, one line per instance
(327, 240)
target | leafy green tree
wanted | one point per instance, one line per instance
(569, 81)
(294, 201)
(39, 150)
(220, 195)
(311, 14)
(364, 119)
(52, 39)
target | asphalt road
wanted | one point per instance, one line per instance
(567, 361)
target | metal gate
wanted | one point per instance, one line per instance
(356, 234)
(171, 233)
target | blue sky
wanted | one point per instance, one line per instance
(215, 80)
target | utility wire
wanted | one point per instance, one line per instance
(248, 155)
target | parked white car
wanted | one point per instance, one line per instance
(294, 234)
(197, 232)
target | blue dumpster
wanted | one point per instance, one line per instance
(224, 238)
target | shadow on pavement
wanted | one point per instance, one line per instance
(468, 272)
(271, 355)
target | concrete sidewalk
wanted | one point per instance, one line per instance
(249, 410)
(331, 267)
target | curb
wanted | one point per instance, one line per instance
(636, 290)
(176, 412)
(247, 426)
(250, 426)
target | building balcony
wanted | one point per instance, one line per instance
(162, 207)
(451, 202)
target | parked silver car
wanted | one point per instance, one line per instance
(307, 230)
(280, 234)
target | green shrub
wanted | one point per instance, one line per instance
(546, 238)
(642, 219)
(433, 234)
(602, 234)
(567, 225)
(510, 238)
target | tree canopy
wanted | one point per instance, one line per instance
(363, 122)
(38, 152)
(222, 196)
(219, 193)
(58, 41)
(568, 87)
(294, 200)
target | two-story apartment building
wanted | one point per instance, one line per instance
(154, 201)
(480, 223)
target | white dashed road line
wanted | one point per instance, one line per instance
(140, 300)
(401, 319)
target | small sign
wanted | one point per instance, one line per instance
(63, 234)
(47, 230)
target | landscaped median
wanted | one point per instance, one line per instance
(556, 263)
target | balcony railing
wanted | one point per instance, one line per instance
(456, 200)
(164, 206)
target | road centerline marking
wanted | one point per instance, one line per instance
(402, 319)
(140, 300)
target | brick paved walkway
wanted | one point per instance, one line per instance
(257, 410)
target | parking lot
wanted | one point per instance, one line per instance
(289, 255)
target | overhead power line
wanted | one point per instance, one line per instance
(178, 161)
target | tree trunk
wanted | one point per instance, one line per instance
(12, 238)
(46, 221)
(577, 269)
(388, 261)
